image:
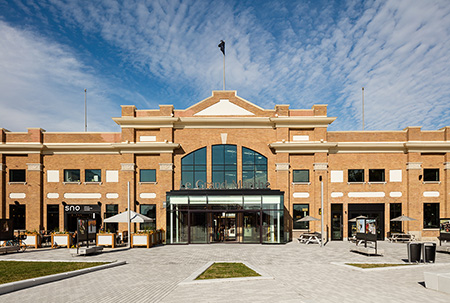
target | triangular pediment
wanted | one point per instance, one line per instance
(224, 108)
(223, 104)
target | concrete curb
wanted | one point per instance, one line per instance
(18, 285)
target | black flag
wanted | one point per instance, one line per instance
(222, 46)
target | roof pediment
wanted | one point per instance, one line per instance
(223, 103)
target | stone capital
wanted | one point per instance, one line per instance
(166, 166)
(282, 166)
(128, 166)
(413, 165)
(34, 166)
(320, 166)
(2, 167)
(446, 165)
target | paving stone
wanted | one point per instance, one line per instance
(302, 273)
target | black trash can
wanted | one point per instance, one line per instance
(429, 252)
(414, 251)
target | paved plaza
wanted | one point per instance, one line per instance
(299, 273)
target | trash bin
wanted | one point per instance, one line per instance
(414, 251)
(429, 252)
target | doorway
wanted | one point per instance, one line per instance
(337, 227)
(223, 227)
(371, 211)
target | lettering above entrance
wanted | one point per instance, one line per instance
(225, 185)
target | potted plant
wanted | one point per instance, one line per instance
(61, 238)
(106, 238)
(143, 238)
(34, 238)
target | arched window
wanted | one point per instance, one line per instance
(254, 167)
(224, 164)
(193, 167)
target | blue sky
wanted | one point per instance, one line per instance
(300, 53)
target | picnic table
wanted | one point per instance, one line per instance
(308, 238)
(401, 237)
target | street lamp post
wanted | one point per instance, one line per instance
(321, 215)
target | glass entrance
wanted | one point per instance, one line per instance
(336, 222)
(223, 227)
(251, 227)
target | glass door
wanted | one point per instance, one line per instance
(198, 227)
(336, 222)
(252, 227)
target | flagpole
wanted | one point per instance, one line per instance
(223, 71)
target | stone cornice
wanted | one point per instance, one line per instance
(428, 146)
(145, 122)
(301, 147)
(224, 122)
(21, 148)
(303, 121)
(146, 148)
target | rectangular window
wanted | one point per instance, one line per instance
(300, 211)
(71, 175)
(300, 175)
(355, 175)
(148, 210)
(93, 175)
(147, 175)
(17, 175)
(431, 215)
(52, 217)
(376, 175)
(431, 174)
(17, 213)
(111, 210)
(395, 211)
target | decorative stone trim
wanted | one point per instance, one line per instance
(166, 166)
(413, 165)
(320, 166)
(2, 167)
(34, 166)
(128, 166)
(282, 166)
(224, 138)
(446, 165)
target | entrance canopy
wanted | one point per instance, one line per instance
(218, 215)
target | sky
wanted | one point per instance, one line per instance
(301, 53)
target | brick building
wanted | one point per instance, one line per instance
(227, 170)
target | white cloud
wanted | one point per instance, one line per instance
(42, 85)
(284, 52)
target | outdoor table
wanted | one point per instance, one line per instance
(307, 238)
(400, 237)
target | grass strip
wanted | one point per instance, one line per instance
(11, 271)
(227, 270)
(375, 265)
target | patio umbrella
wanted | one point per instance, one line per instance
(134, 218)
(402, 218)
(307, 219)
(356, 218)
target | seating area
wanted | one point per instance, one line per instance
(400, 237)
(310, 238)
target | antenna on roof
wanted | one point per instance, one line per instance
(363, 108)
(85, 110)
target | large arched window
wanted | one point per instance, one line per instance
(254, 167)
(193, 167)
(224, 164)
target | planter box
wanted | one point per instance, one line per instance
(106, 240)
(61, 240)
(33, 240)
(141, 240)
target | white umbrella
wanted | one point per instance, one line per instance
(402, 218)
(307, 219)
(356, 218)
(134, 218)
